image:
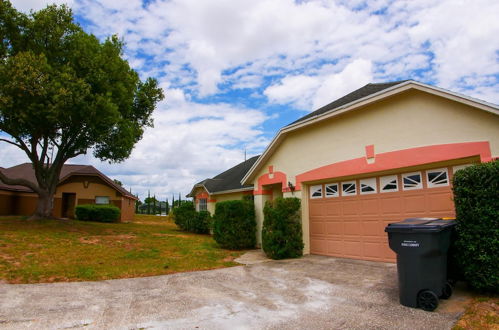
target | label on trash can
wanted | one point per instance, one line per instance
(410, 243)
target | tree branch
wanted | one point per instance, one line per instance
(18, 182)
(13, 143)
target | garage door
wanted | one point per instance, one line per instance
(348, 218)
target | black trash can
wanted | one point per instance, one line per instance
(421, 245)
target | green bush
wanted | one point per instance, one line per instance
(282, 233)
(234, 224)
(476, 198)
(100, 213)
(187, 219)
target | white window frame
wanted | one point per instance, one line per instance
(328, 194)
(354, 182)
(419, 186)
(101, 197)
(203, 206)
(369, 182)
(433, 185)
(314, 189)
(387, 179)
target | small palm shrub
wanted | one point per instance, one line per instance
(234, 224)
(282, 232)
(476, 248)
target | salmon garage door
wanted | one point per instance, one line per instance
(348, 218)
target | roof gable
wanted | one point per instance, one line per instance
(365, 95)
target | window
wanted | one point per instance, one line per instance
(368, 186)
(437, 178)
(316, 191)
(203, 204)
(332, 190)
(412, 181)
(348, 188)
(460, 167)
(101, 200)
(389, 183)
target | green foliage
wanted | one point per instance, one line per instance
(476, 198)
(187, 219)
(282, 232)
(100, 213)
(62, 89)
(234, 224)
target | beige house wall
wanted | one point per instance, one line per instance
(407, 120)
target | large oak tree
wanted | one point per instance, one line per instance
(63, 92)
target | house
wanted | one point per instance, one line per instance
(223, 187)
(78, 184)
(380, 154)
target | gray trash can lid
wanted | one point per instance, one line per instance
(419, 225)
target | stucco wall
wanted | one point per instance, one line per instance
(6, 203)
(408, 120)
(95, 187)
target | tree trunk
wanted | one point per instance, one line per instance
(44, 206)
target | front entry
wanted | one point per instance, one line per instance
(68, 205)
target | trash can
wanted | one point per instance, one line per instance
(421, 245)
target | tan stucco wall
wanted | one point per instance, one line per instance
(95, 188)
(408, 120)
(228, 197)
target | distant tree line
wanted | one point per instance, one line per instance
(151, 205)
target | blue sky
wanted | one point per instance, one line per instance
(234, 72)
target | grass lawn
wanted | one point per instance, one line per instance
(481, 313)
(71, 250)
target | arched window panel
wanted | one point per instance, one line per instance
(332, 190)
(349, 188)
(437, 178)
(389, 183)
(412, 181)
(368, 186)
(316, 191)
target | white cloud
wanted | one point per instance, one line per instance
(27, 5)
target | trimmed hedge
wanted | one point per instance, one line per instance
(100, 213)
(187, 219)
(234, 224)
(476, 248)
(282, 235)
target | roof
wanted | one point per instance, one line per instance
(367, 94)
(351, 97)
(25, 171)
(229, 180)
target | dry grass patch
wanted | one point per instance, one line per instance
(70, 250)
(481, 313)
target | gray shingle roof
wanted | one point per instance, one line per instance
(230, 179)
(351, 97)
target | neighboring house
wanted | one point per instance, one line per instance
(380, 154)
(223, 187)
(78, 184)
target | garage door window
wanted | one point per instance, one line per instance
(437, 178)
(412, 181)
(332, 190)
(316, 191)
(368, 186)
(389, 183)
(348, 188)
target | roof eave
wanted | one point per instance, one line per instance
(232, 191)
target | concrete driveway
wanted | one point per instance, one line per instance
(309, 293)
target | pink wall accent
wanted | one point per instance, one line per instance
(398, 159)
(370, 151)
(265, 179)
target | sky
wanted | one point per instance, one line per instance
(235, 72)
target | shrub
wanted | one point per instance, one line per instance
(282, 232)
(100, 213)
(234, 224)
(187, 219)
(476, 198)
